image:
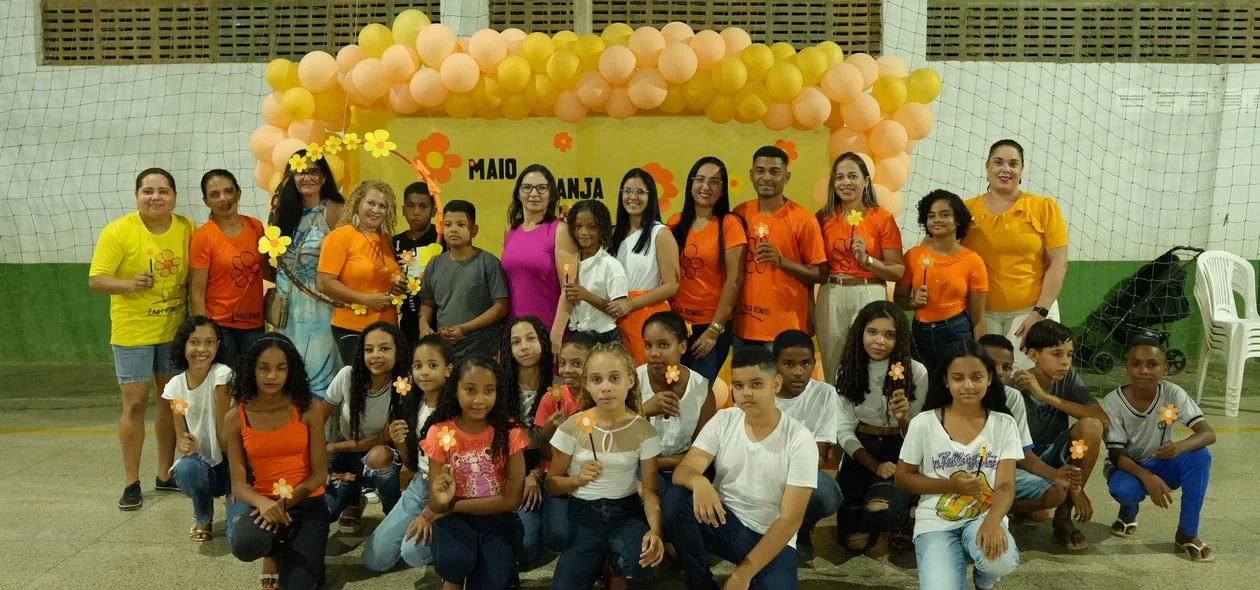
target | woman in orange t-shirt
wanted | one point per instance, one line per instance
(863, 254)
(710, 261)
(945, 284)
(357, 266)
(225, 270)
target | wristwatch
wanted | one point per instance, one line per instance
(717, 328)
(1045, 313)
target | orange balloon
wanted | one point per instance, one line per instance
(910, 145)
(619, 104)
(434, 44)
(399, 63)
(916, 118)
(347, 58)
(284, 150)
(862, 114)
(569, 107)
(310, 130)
(721, 393)
(888, 138)
(459, 72)
(647, 43)
(820, 192)
(891, 173)
(835, 120)
(616, 64)
(866, 64)
(262, 173)
(842, 83)
(889, 200)
(487, 47)
(593, 90)
(427, 89)
(317, 71)
(736, 39)
(677, 32)
(891, 65)
(870, 163)
(810, 108)
(709, 47)
(647, 88)
(778, 117)
(370, 80)
(400, 100)
(273, 113)
(678, 63)
(263, 141)
(846, 140)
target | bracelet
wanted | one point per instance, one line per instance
(714, 330)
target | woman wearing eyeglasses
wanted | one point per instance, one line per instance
(649, 256)
(536, 248)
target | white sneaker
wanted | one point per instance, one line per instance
(371, 497)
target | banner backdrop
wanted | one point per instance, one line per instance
(479, 160)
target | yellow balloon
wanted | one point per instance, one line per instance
(514, 73)
(375, 38)
(298, 104)
(758, 59)
(813, 64)
(336, 165)
(460, 106)
(721, 109)
(281, 75)
(834, 54)
(617, 34)
(784, 81)
(514, 106)
(407, 26)
(783, 51)
(588, 49)
(889, 92)
(564, 68)
(698, 91)
(674, 102)
(541, 92)
(729, 75)
(923, 86)
(487, 94)
(564, 40)
(753, 101)
(537, 48)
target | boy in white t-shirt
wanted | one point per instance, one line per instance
(816, 405)
(766, 465)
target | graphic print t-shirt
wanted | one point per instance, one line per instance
(127, 248)
(234, 287)
(477, 473)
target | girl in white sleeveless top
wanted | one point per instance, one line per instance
(677, 400)
(648, 255)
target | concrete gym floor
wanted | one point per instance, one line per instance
(60, 527)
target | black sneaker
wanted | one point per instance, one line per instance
(166, 486)
(804, 546)
(132, 498)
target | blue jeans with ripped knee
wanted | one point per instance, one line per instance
(343, 492)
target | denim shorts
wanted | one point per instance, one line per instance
(133, 364)
(1054, 455)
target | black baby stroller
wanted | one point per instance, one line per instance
(1154, 296)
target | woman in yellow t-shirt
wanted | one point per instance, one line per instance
(1023, 241)
(141, 262)
(357, 266)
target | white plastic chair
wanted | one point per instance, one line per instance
(1218, 277)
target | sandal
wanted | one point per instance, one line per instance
(268, 581)
(202, 533)
(1199, 549)
(351, 520)
(1073, 540)
(1129, 529)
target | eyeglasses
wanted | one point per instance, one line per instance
(714, 182)
(634, 192)
(541, 189)
(310, 172)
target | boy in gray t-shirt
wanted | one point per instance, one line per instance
(465, 287)
(1142, 457)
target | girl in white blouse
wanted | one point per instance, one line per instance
(649, 255)
(608, 442)
(677, 400)
(881, 388)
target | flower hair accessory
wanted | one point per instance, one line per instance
(1168, 414)
(402, 385)
(897, 372)
(672, 374)
(179, 406)
(1078, 449)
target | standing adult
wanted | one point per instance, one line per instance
(226, 271)
(649, 255)
(1023, 241)
(711, 245)
(863, 247)
(309, 204)
(785, 257)
(536, 245)
(141, 262)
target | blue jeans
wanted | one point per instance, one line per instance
(387, 545)
(299, 547)
(236, 341)
(943, 557)
(613, 335)
(603, 527)
(931, 338)
(557, 530)
(732, 541)
(475, 550)
(823, 502)
(1188, 471)
(530, 534)
(202, 484)
(708, 366)
(340, 494)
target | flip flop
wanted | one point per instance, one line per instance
(202, 533)
(1127, 527)
(1200, 548)
(268, 581)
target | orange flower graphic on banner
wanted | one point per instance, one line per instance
(665, 189)
(432, 152)
(736, 185)
(167, 263)
(788, 147)
(562, 141)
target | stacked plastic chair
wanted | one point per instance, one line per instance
(1219, 276)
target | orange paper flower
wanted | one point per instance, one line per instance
(897, 372)
(179, 406)
(1078, 449)
(762, 231)
(407, 257)
(343, 476)
(402, 385)
(854, 218)
(446, 438)
(556, 391)
(672, 374)
(398, 277)
(665, 189)
(358, 309)
(282, 489)
(586, 422)
(431, 151)
(562, 141)
(927, 261)
(1168, 414)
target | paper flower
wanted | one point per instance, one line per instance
(273, 244)
(413, 286)
(378, 143)
(425, 254)
(332, 145)
(314, 151)
(398, 300)
(398, 277)
(407, 257)
(179, 406)
(736, 185)
(555, 391)
(446, 438)
(297, 164)
(343, 476)
(927, 261)
(854, 218)
(984, 451)
(1078, 449)
(282, 489)
(402, 385)
(586, 422)
(897, 372)
(1168, 414)
(672, 374)
(351, 141)
(562, 141)
(762, 231)
(358, 309)
(431, 152)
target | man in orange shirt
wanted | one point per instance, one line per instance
(785, 257)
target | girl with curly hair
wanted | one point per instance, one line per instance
(599, 278)
(476, 477)
(366, 396)
(279, 438)
(881, 388)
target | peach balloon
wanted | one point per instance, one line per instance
(866, 64)
(910, 145)
(891, 173)
(677, 32)
(870, 163)
(512, 35)
(889, 200)
(891, 65)
(619, 104)
(399, 98)
(459, 71)
(778, 117)
(263, 141)
(488, 48)
(648, 89)
(427, 89)
(273, 113)
(616, 64)
(309, 131)
(647, 43)
(400, 63)
(842, 83)
(721, 393)
(317, 71)
(347, 58)
(593, 90)
(274, 182)
(906, 161)
(862, 114)
(564, 68)
(678, 63)
(284, 150)
(810, 108)
(370, 80)
(709, 47)
(916, 118)
(569, 107)
(888, 138)
(461, 46)
(262, 173)
(736, 40)
(434, 44)
(846, 140)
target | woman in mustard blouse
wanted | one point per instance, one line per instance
(1023, 241)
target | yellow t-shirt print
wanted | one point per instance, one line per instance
(957, 507)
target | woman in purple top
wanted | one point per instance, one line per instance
(536, 247)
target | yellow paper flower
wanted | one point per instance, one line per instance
(1078, 449)
(314, 151)
(897, 372)
(407, 257)
(398, 300)
(1168, 414)
(425, 254)
(282, 489)
(297, 163)
(446, 438)
(854, 218)
(351, 141)
(586, 422)
(672, 374)
(379, 144)
(358, 309)
(402, 385)
(272, 243)
(413, 286)
(332, 145)
(762, 231)
(179, 406)
(555, 391)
